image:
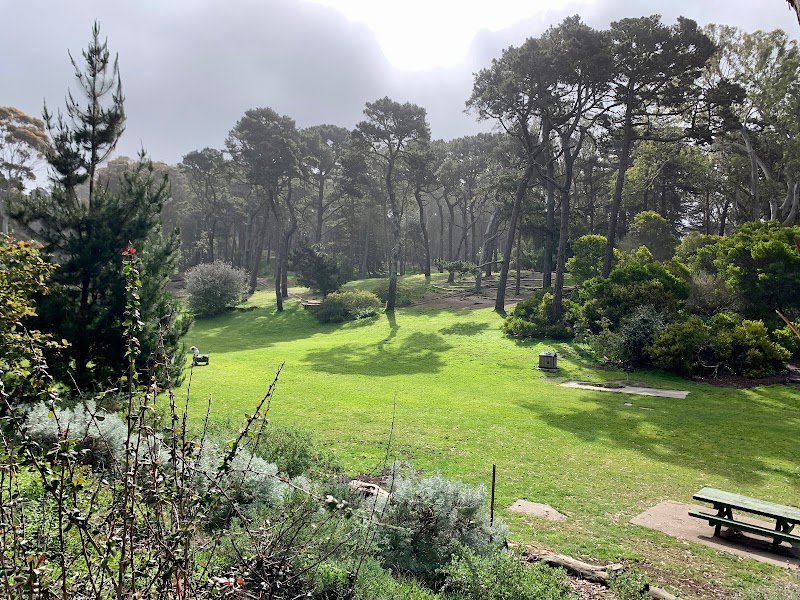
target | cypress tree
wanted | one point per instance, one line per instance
(85, 223)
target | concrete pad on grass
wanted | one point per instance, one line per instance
(673, 519)
(628, 389)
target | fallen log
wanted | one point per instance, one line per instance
(594, 573)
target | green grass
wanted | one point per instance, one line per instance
(467, 397)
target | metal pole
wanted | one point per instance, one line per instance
(491, 508)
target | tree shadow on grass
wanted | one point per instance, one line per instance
(464, 329)
(417, 353)
(261, 328)
(725, 435)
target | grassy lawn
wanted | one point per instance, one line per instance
(467, 397)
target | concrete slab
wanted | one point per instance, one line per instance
(673, 519)
(543, 511)
(628, 389)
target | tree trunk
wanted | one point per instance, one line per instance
(563, 236)
(624, 157)
(450, 223)
(723, 217)
(755, 208)
(547, 262)
(363, 267)
(395, 252)
(516, 260)
(211, 234)
(519, 196)
(488, 238)
(793, 191)
(441, 229)
(320, 209)
(589, 572)
(424, 227)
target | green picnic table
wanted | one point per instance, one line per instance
(786, 517)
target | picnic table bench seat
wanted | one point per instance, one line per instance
(786, 517)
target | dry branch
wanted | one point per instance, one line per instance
(595, 573)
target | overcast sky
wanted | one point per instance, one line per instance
(190, 68)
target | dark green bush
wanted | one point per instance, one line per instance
(637, 332)
(677, 345)
(788, 339)
(752, 353)
(316, 269)
(501, 575)
(403, 297)
(587, 259)
(637, 280)
(462, 267)
(534, 318)
(348, 306)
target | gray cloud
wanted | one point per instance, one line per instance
(191, 68)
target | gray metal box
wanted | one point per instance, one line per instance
(548, 360)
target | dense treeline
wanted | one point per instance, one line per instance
(592, 129)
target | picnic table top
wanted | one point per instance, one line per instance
(752, 505)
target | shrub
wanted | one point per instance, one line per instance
(214, 286)
(637, 332)
(501, 576)
(676, 347)
(404, 297)
(637, 280)
(98, 435)
(606, 345)
(534, 318)
(630, 584)
(761, 262)
(587, 260)
(250, 484)
(462, 267)
(348, 306)
(315, 269)
(709, 294)
(752, 353)
(788, 339)
(376, 583)
(429, 519)
(293, 451)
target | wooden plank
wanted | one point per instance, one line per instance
(752, 505)
(741, 525)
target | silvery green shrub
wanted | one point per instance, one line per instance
(214, 286)
(100, 434)
(429, 519)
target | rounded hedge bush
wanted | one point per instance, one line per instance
(212, 287)
(348, 306)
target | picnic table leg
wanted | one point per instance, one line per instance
(782, 526)
(724, 512)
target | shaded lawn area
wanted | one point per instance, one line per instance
(467, 397)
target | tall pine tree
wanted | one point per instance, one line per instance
(85, 224)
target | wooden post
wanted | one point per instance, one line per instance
(491, 507)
